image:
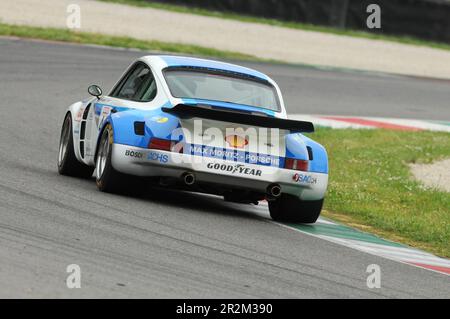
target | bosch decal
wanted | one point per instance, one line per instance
(135, 154)
(162, 158)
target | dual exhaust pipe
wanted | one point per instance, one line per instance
(273, 190)
(188, 179)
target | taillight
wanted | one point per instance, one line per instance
(160, 144)
(296, 164)
(165, 145)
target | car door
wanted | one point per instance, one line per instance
(136, 87)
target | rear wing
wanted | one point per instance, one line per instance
(235, 116)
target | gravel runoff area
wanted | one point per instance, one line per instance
(435, 175)
(264, 41)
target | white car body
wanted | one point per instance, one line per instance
(90, 116)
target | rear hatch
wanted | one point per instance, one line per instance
(231, 134)
(233, 142)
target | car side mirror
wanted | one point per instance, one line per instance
(95, 90)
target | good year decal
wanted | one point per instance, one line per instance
(234, 169)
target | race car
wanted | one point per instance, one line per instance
(197, 125)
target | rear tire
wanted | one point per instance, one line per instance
(289, 208)
(67, 161)
(106, 178)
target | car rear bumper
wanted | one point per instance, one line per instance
(146, 162)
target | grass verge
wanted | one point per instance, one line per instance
(371, 187)
(65, 35)
(285, 24)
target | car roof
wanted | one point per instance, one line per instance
(181, 61)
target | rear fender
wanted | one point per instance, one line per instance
(319, 162)
(156, 123)
(297, 147)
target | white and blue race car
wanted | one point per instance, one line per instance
(198, 125)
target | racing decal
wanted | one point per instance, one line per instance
(234, 169)
(106, 110)
(159, 119)
(135, 154)
(102, 111)
(88, 150)
(158, 157)
(236, 141)
(223, 135)
(232, 155)
(98, 108)
(79, 115)
(304, 179)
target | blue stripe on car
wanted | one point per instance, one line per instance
(99, 107)
(232, 155)
(184, 61)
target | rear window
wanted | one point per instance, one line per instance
(220, 86)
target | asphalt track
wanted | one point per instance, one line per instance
(172, 244)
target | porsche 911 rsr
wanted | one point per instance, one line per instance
(198, 125)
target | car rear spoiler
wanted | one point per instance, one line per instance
(235, 116)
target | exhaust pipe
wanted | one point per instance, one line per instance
(274, 190)
(188, 179)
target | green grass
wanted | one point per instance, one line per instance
(66, 35)
(286, 24)
(371, 187)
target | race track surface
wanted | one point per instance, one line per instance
(172, 244)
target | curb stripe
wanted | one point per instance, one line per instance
(441, 123)
(423, 125)
(373, 123)
(354, 122)
(341, 231)
(365, 242)
(404, 254)
(371, 244)
(435, 268)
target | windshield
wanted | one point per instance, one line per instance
(221, 87)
